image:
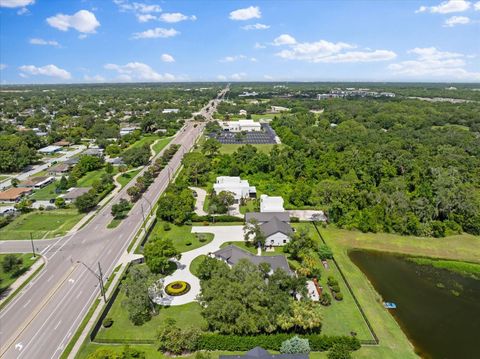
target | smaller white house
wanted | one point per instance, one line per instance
(50, 149)
(171, 110)
(127, 130)
(241, 126)
(240, 188)
(242, 112)
(277, 109)
(271, 204)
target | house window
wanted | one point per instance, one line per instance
(284, 241)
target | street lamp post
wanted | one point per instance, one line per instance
(33, 247)
(99, 277)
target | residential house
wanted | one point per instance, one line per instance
(240, 188)
(59, 169)
(14, 194)
(93, 152)
(260, 353)
(275, 226)
(36, 182)
(50, 149)
(232, 254)
(170, 110)
(278, 109)
(127, 130)
(242, 112)
(62, 143)
(74, 192)
(271, 204)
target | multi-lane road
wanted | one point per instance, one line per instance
(40, 321)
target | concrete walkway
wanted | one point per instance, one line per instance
(200, 201)
(221, 234)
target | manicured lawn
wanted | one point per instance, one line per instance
(196, 263)
(184, 315)
(90, 177)
(42, 224)
(126, 177)
(145, 140)
(160, 145)
(249, 207)
(181, 236)
(6, 279)
(242, 245)
(46, 193)
(259, 117)
(229, 149)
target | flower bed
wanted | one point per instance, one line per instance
(177, 288)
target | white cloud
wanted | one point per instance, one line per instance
(222, 77)
(145, 17)
(259, 46)
(284, 39)
(253, 59)
(238, 76)
(251, 12)
(167, 58)
(47, 70)
(3, 66)
(155, 33)
(95, 78)
(174, 17)
(233, 58)
(268, 77)
(456, 20)
(477, 6)
(256, 26)
(433, 63)
(16, 3)
(136, 7)
(37, 41)
(446, 7)
(83, 21)
(137, 71)
(326, 51)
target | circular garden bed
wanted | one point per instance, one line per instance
(177, 288)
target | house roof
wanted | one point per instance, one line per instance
(33, 181)
(59, 167)
(233, 254)
(62, 143)
(274, 226)
(13, 193)
(76, 192)
(267, 216)
(260, 353)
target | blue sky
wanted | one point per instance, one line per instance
(54, 41)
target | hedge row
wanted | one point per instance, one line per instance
(222, 218)
(212, 341)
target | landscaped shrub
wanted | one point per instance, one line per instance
(223, 218)
(212, 341)
(332, 281)
(166, 226)
(107, 322)
(335, 288)
(295, 345)
(294, 219)
(325, 299)
(188, 244)
(339, 351)
(338, 296)
(176, 288)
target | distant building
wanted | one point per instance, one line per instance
(271, 204)
(232, 255)
(93, 152)
(278, 109)
(241, 126)
(36, 182)
(7, 211)
(14, 194)
(242, 112)
(62, 143)
(127, 130)
(240, 188)
(171, 110)
(50, 149)
(59, 169)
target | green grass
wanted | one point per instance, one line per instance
(2, 178)
(90, 177)
(114, 223)
(266, 116)
(196, 263)
(249, 207)
(160, 145)
(145, 140)
(466, 269)
(229, 149)
(126, 177)
(45, 193)
(42, 224)
(180, 236)
(6, 279)
(184, 315)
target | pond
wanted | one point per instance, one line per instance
(439, 310)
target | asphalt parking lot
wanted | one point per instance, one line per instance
(266, 136)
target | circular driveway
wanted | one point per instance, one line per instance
(222, 234)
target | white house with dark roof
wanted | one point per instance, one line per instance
(274, 225)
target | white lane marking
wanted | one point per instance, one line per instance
(19, 346)
(71, 280)
(50, 278)
(27, 303)
(56, 326)
(78, 295)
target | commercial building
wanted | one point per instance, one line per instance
(241, 126)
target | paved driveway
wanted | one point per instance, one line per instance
(221, 234)
(200, 200)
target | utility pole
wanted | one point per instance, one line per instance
(99, 277)
(33, 247)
